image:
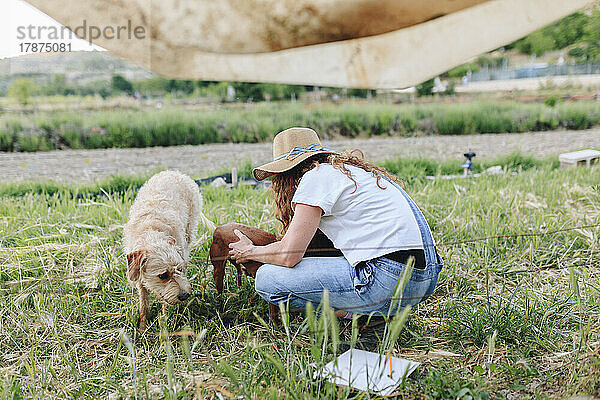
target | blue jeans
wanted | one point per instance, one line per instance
(364, 289)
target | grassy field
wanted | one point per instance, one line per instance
(171, 126)
(511, 316)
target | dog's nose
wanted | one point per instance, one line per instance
(183, 296)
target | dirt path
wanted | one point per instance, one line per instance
(87, 165)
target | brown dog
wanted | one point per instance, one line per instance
(319, 246)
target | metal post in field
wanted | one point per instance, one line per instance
(234, 177)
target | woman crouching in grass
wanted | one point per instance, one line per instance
(361, 209)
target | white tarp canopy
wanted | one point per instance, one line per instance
(344, 43)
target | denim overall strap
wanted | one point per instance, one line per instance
(431, 257)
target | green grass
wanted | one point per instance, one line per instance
(512, 316)
(85, 129)
(410, 169)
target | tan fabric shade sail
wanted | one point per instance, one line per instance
(344, 43)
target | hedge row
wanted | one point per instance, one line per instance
(170, 127)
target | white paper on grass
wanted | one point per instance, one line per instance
(368, 371)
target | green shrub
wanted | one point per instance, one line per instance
(453, 122)
(425, 88)
(579, 53)
(492, 62)
(551, 101)
(570, 30)
(516, 161)
(7, 140)
(170, 127)
(450, 89)
(578, 116)
(462, 70)
(22, 90)
(118, 83)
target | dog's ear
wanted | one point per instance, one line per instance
(135, 260)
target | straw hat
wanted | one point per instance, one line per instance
(290, 148)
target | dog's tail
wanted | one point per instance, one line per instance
(207, 223)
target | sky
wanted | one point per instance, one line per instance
(16, 18)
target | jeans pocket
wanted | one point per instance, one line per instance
(362, 276)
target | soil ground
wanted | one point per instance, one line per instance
(87, 165)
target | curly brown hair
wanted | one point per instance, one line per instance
(284, 184)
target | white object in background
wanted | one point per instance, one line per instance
(579, 158)
(495, 170)
(219, 182)
(368, 371)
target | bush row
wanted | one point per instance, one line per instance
(169, 127)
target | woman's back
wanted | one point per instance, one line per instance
(363, 221)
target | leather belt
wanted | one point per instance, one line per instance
(402, 256)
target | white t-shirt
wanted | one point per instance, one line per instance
(364, 223)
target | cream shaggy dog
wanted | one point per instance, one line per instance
(157, 239)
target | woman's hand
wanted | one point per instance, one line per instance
(289, 250)
(241, 250)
